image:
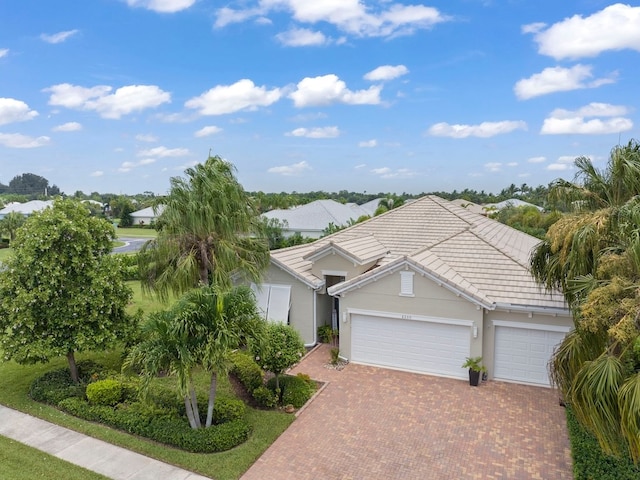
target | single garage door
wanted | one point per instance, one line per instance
(415, 345)
(522, 354)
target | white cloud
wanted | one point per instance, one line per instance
(4, 52)
(162, 152)
(206, 131)
(162, 6)
(386, 172)
(58, 37)
(302, 37)
(493, 166)
(307, 117)
(386, 72)
(328, 89)
(350, 16)
(559, 79)
(483, 130)
(97, 173)
(291, 170)
(537, 159)
(142, 137)
(242, 95)
(123, 101)
(512, 164)
(17, 140)
(368, 143)
(564, 162)
(317, 132)
(616, 27)
(533, 27)
(68, 127)
(128, 166)
(147, 161)
(359, 166)
(563, 121)
(12, 110)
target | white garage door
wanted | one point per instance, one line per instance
(522, 354)
(415, 345)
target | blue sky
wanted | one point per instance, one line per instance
(120, 95)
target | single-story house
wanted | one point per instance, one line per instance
(26, 208)
(512, 202)
(146, 216)
(312, 219)
(420, 288)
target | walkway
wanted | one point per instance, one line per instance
(88, 452)
(373, 423)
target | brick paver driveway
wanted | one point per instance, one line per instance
(373, 423)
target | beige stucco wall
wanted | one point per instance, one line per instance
(518, 317)
(337, 263)
(301, 312)
(430, 300)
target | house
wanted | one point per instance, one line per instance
(512, 202)
(312, 219)
(146, 216)
(420, 288)
(26, 208)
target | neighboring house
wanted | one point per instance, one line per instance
(26, 208)
(472, 207)
(512, 202)
(312, 219)
(146, 216)
(420, 288)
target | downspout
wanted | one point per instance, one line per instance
(315, 320)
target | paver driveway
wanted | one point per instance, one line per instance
(374, 423)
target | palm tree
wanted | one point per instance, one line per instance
(210, 230)
(199, 331)
(10, 224)
(593, 255)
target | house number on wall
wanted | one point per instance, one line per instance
(406, 317)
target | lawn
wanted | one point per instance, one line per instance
(267, 425)
(137, 232)
(4, 253)
(20, 462)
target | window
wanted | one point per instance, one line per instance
(406, 284)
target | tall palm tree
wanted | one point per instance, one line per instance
(593, 255)
(199, 332)
(209, 230)
(11, 223)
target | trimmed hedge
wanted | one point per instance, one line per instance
(589, 462)
(57, 385)
(247, 370)
(162, 428)
(106, 392)
(294, 391)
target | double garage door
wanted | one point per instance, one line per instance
(416, 345)
(522, 354)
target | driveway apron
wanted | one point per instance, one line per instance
(375, 423)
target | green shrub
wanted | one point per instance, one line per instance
(295, 391)
(247, 370)
(57, 385)
(326, 334)
(335, 356)
(139, 420)
(227, 410)
(128, 266)
(265, 397)
(589, 462)
(107, 392)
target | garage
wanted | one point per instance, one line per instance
(522, 352)
(413, 343)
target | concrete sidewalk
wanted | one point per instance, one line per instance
(88, 452)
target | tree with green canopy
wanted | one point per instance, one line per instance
(199, 332)
(283, 348)
(62, 292)
(593, 256)
(210, 230)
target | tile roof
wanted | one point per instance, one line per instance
(361, 250)
(27, 208)
(474, 255)
(317, 215)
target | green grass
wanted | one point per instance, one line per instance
(137, 232)
(5, 252)
(267, 425)
(117, 244)
(146, 302)
(20, 462)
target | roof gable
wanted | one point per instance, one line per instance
(359, 250)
